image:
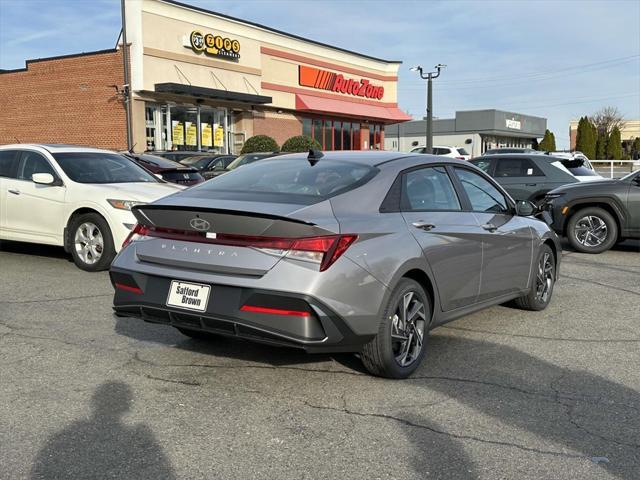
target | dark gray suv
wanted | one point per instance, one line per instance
(531, 176)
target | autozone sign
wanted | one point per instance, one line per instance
(336, 82)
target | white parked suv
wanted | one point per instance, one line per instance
(76, 197)
(454, 152)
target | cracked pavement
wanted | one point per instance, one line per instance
(502, 394)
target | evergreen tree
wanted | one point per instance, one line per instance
(601, 146)
(581, 135)
(585, 140)
(589, 144)
(614, 145)
(548, 143)
(635, 149)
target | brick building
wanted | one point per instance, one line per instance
(69, 99)
(202, 81)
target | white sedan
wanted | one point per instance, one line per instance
(76, 197)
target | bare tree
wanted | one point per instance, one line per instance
(606, 119)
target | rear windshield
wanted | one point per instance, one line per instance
(94, 167)
(578, 167)
(462, 151)
(289, 181)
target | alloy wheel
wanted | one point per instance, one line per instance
(544, 278)
(89, 243)
(407, 329)
(591, 231)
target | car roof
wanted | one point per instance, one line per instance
(57, 147)
(377, 157)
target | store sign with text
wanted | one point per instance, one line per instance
(512, 123)
(214, 45)
(336, 82)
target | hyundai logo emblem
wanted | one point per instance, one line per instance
(200, 224)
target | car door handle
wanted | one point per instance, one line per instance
(14, 191)
(531, 184)
(490, 227)
(423, 225)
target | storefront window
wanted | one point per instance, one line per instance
(306, 127)
(328, 135)
(346, 136)
(317, 130)
(337, 135)
(212, 130)
(150, 127)
(176, 127)
(184, 128)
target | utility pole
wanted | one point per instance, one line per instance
(127, 77)
(429, 76)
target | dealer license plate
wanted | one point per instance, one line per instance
(190, 296)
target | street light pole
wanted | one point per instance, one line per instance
(429, 76)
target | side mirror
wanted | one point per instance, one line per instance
(43, 178)
(524, 208)
(636, 181)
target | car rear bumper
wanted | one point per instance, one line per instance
(322, 331)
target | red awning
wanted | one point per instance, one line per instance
(311, 103)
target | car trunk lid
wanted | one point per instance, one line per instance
(212, 235)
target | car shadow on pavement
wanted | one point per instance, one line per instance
(229, 347)
(102, 446)
(575, 413)
(35, 249)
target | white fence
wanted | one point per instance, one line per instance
(615, 168)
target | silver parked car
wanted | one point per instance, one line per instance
(347, 251)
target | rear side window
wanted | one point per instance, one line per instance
(9, 163)
(482, 163)
(462, 151)
(441, 151)
(429, 189)
(33, 162)
(517, 167)
(484, 197)
(288, 181)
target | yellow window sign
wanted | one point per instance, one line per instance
(215, 45)
(178, 133)
(207, 135)
(218, 139)
(192, 134)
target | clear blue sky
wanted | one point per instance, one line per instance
(556, 59)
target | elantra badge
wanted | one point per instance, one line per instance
(200, 224)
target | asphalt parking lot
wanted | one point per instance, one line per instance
(503, 394)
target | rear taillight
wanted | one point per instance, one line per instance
(136, 233)
(460, 158)
(323, 250)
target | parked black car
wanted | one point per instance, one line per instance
(243, 159)
(595, 215)
(531, 176)
(168, 170)
(209, 164)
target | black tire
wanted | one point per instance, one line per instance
(107, 249)
(580, 223)
(534, 300)
(379, 355)
(197, 334)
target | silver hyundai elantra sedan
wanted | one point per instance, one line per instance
(344, 251)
